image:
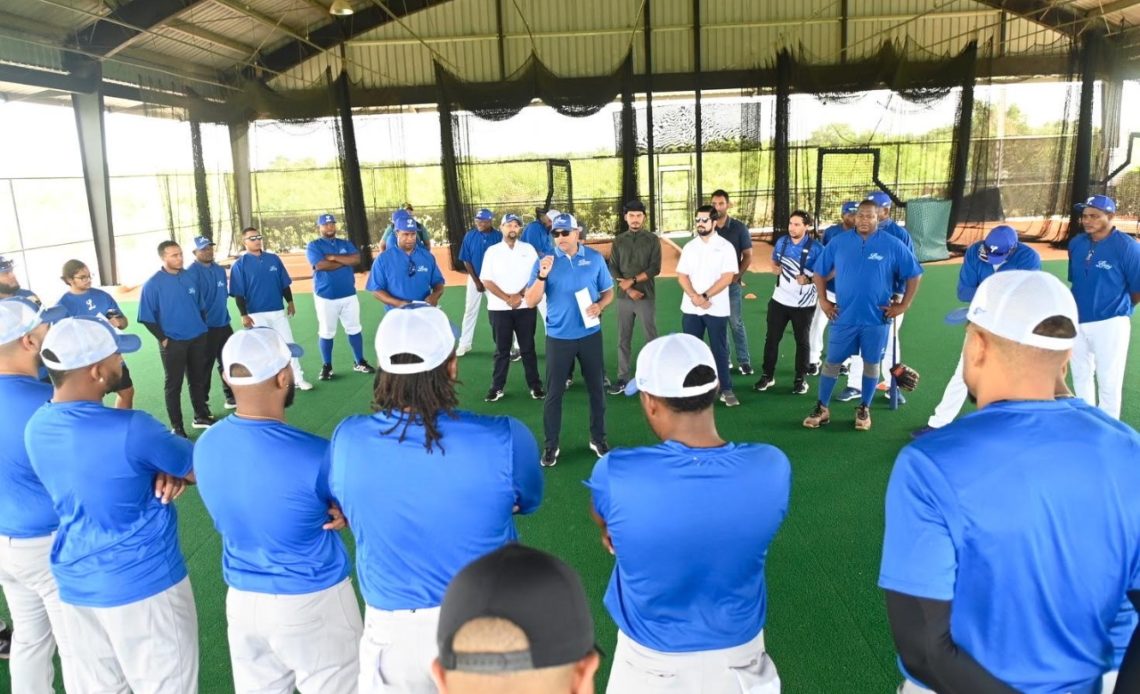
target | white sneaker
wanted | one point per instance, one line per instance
(304, 385)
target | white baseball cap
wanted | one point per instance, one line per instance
(664, 363)
(551, 215)
(74, 343)
(261, 351)
(1013, 303)
(418, 328)
(18, 317)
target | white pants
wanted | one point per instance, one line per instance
(745, 668)
(146, 647)
(397, 650)
(470, 315)
(280, 323)
(952, 400)
(1099, 355)
(308, 642)
(33, 599)
(329, 311)
(1108, 684)
(819, 323)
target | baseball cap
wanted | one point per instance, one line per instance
(397, 214)
(6, 264)
(999, 243)
(879, 198)
(849, 207)
(552, 215)
(326, 218)
(73, 343)
(1099, 202)
(664, 363)
(564, 222)
(202, 243)
(18, 317)
(405, 223)
(635, 206)
(484, 215)
(261, 351)
(418, 328)
(533, 590)
(510, 218)
(1012, 304)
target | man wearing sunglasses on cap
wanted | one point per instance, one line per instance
(406, 272)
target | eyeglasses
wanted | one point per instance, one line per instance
(561, 232)
(411, 268)
(703, 220)
(81, 277)
(256, 237)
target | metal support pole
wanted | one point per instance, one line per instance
(88, 109)
(243, 177)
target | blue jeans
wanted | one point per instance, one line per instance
(717, 329)
(736, 321)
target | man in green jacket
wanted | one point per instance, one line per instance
(635, 260)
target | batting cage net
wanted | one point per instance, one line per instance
(559, 185)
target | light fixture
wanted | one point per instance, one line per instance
(341, 8)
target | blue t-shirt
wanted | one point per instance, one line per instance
(586, 270)
(1008, 498)
(25, 507)
(174, 303)
(691, 529)
(93, 302)
(420, 517)
(266, 486)
(866, 273)
(332, 284)
(212, 285)
(475, 245)
(409, 277)
(828, 234)
(975, 270)
(537, 235)
(1104, 275)
(389, 238)
(117, 543)
(260, 279)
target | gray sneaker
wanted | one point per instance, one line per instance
(729, 398)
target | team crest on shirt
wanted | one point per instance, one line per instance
(90, 305)
(583, 262)
(1104, 265)
(273, 269)
(221, 283)
(875, 256)
(193, 290)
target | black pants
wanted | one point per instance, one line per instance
(779, 316)
(506, 325)
(560, 356)
(189, 359)
(216, 339)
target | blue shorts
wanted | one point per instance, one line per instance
(868, 341)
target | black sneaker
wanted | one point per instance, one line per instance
(606, 385)
(203, 422)
(516, 355)
(361, 366)
(569, 382)
(5, 643)
(549, 457)
(764, 384)
(537, 393)
(326, 372)
(844, 369)
(813, 369)
(799, 387)
(600, 447)
(617, 388)
(231, 403)
(179, 431)
(493, 395)
(746, 370)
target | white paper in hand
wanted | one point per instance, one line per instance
(584, 302)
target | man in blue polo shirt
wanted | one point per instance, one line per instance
(388, 238)
(171, 308)
(27, 519)
(215, 295)
(577, 285)
(406, 272)
(127, 603)
(692, 506)
(1104, 269)
(265, 485)
(475, 245)
(993, 580)
(334, 295)
(867, 266)
(259, 284)
(480, 471)
(537, 233)
(819, 320)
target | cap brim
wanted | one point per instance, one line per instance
(125, 344)
(1080, 207)
(53, 314)
(295, 351)
(995, 259)
(957, 316)
(631, 388)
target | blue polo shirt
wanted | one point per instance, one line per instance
(93, 302)
(866, 273)
(975, 270)
(1007, 496)
(174, 303)
(117, 543)
(475, 245)
(691, 529)
(212, 285)
(332, 284)
(409, 277)
(266, 486)
(389, 237)
(537, 235)
(25, 507)
(1104, 275)
(260, 280)
(420, 517)
(586, 270)
(828, 234)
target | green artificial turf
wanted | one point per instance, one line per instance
(826, 629)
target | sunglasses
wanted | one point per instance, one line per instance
(561, 232)
(703, 220)
(256, 237)
(411, 268)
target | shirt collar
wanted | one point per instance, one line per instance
(558, 252)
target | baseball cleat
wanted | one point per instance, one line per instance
(818, 417)
(203, 422)
(537, 393)
(764, 384)
(493, 395)
(862, 418)
(231, 403)
(813, 369)
(364, 367)
(549, 457)
(746, 370)
(569, 382)
(849, 394)
(600, 448)
(326, 372)
(800, 387)
(516, 355)
(618, 388)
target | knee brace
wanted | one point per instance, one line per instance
(830, 370)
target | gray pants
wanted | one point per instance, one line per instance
(644, 310)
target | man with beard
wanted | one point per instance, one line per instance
(9, 285)
(406, 272)
(635, 260)
(334, 295)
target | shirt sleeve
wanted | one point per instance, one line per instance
(908, 265)
(436, 273)
(148, 305)
(151, 447)
(825, 263)
(729, 263)
(111, 303)
(919, 557)
(465, 250)
(685, 262)
(604, 278)
(599, 485)
(1130, 263)
(285, 280)
(968, 276)
(744, 235)
(525, 470)
(376, 280)
(813, 255)
(534, 272)
(237, 280)
(313, 254)
(487, 272)
(1027, 258)
(352, 249)
(323, 486)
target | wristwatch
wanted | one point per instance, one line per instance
(705, 295)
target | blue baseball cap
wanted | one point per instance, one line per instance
(201, 243)
(510, 218)
(397, 214)
(7, 264)
(1099, 202)
(565, 222)
(849, 207)
(18, 317)
(326, 218)
(405, 223)
(484, 215)
(999, 243)
(879, 198)
(74, 343)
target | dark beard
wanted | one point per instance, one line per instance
(9, 289)
(290, 394)
(704, 233)
(972, 398)
(115, 386)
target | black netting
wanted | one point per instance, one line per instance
(355, 214)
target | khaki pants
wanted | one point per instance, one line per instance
(745, 668)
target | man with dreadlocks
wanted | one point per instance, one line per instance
(426, 489)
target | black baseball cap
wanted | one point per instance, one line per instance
(531, 589)
(635, 206)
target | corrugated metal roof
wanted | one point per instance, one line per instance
(64, 16)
